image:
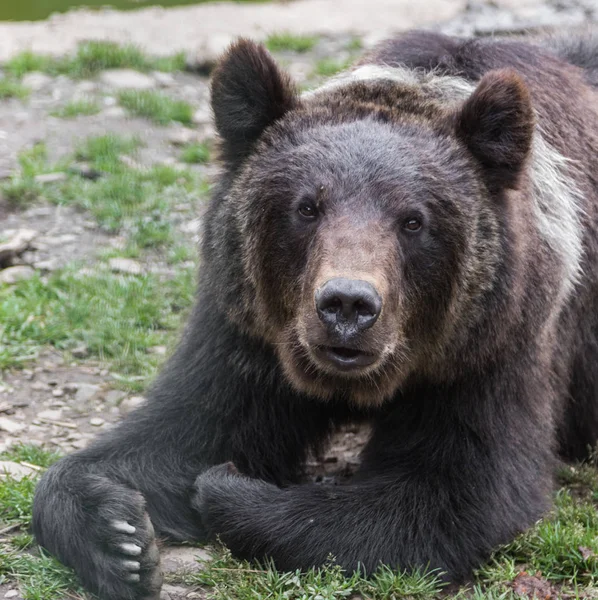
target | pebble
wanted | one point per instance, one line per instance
(50, 415)
(58, 393)
(15, 274)
(96, 421)
(36, 81)
(164, 79)
(11, 594)
(114, 112)
(10, 426)
(81, 351)
(181, 136)
(202, 116)
(19, 241)
(40, 386)
(125, 265)
(86, 391)
(131, 403)
(50, 177)
(15, 470)
(127, 79)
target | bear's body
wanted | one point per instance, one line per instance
(415, 243)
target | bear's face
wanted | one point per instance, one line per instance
(363, 239)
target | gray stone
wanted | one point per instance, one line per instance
(164, 79)
(36, 81)
(125, 265)
(16, 274)
(14, 470)
(209, 52)
(10, 426)
(183, 559)
(131, 403)
(96, 421)
(50, 177)
(86, 391)
(19, 241)
(127, 79)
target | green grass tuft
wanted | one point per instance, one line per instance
(279, 42)
(91, 58)
(118, 317)
(77, 108)
(9, 88)
(156, 106)
(327, 67)
(196, 153)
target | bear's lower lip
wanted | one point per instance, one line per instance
(345, 359)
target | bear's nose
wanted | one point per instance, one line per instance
(348, 302)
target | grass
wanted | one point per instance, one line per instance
(136, 203)
(77, 108)
(326, 67)
(284, 41)
(118, 317)
(157, 107)
(9, 88)
(198, 153)
(92, 57)
(550, 550)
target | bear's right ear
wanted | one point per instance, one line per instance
(249, 92)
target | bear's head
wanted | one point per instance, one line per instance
(359, 230)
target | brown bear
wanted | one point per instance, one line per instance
(413, 244)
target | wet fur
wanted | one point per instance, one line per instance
(491, 379)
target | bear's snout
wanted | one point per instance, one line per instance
(348, 305)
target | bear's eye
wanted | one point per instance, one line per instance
(412, 224)
(307, 210)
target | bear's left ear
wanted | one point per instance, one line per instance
(497, 125)
(249, 92)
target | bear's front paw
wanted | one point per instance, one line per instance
(123, 548)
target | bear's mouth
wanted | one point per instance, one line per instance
(343, 358)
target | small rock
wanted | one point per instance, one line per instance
(114, 397)
(114, 112)
(15, 274)
(86, 391)
(183, 559)
(40, 386)
(81, 351)
(11, 594)
(131, 403)
(15, 470)
(164, 79)
(96, 421)
(35, 80)
(10, 426)
(85, 87)
(58, 393)
(158, 350)
(50, 177)
(127, 79)
(80, 444)
(50, 415)
(47, 265)
(181, 136)
(70, 387)
(125, 265)
(18, 243)
(202, 116)
(86, 171)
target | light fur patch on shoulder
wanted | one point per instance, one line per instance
(432, 84)
(558, 207)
